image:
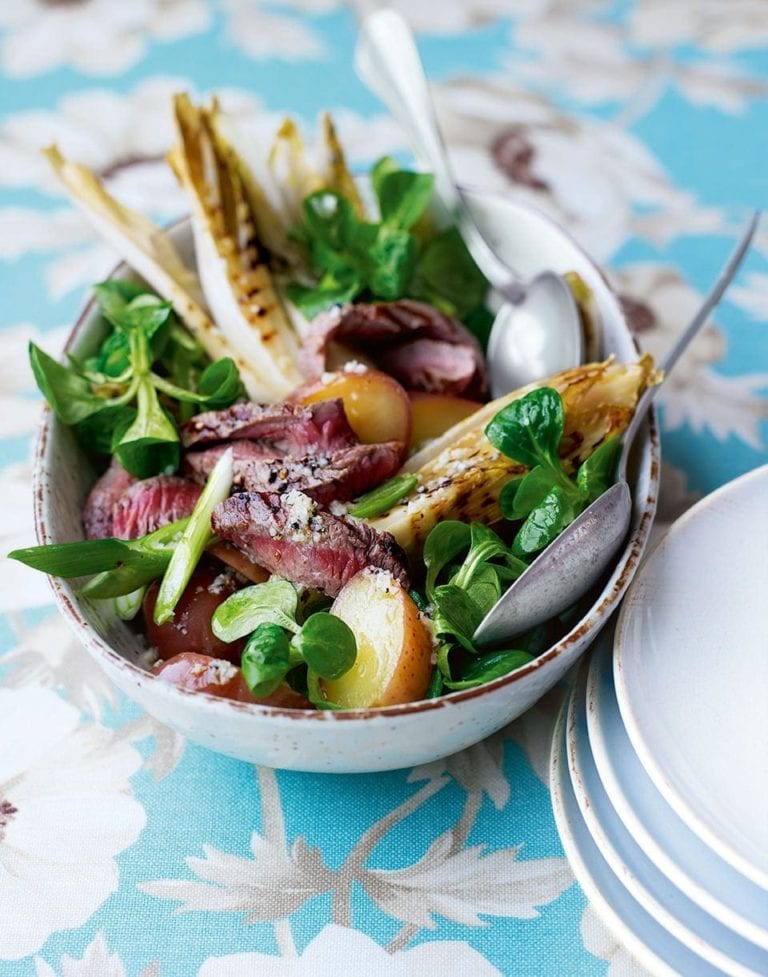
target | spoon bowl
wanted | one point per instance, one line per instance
(537, 331)
(528, 340)
(580, 555)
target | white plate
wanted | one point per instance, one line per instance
(701, 932)
(691, 670)
(643, 937)
(679, 853)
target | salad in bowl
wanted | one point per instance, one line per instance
(271, 485)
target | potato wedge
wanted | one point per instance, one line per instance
(434, 414)
(394, 645)
(377, 407)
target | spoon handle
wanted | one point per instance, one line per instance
(388, 61)
(715, 294)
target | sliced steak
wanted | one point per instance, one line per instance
(342, 475)
(431, 365)
(281, 429)
(199, 464)
(414, 342)
(151, 503)
(291, 537)
(97, 512)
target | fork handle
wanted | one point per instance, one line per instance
(388, 61)
(724, 279)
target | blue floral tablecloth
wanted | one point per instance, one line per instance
(126, 852)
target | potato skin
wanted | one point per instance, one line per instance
(190, 628)
(218, 677)
(377, 407)
(394, 645)
(433, 414)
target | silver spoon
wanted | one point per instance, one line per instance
(537, 332)
(576, 559)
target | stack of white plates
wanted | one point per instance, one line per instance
(660, 757)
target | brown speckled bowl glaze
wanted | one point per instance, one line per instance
(358, 740)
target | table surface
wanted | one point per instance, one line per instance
(126, 852)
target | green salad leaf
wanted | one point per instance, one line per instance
(487, 667)
(272, 602)
(121, 566)
(313, 645)
(146, 377)
(266, 659)
(398, 256)
(327, 645)
(529, 430)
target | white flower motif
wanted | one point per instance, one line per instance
(599, 941)
(20, 401)
(447, 18)
(66, 810)
(502, 137)
(264, 34)
(571, 49)
(50, 655)
(752, 295)
(125, 139)
(109, 132)
(695, 394)
(20, 586)
(345, 951)
(97, 961)
(97, 37)
(739, 25)
(574, 48)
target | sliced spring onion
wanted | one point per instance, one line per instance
(80, 558)
(194, 539)
(382, 499)
(129, 605)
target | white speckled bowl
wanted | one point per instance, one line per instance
(359, 740)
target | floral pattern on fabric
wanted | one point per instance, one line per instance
(124, 850)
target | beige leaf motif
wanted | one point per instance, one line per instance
(48, 654)
(169, 745)
(269, 886)
(97, 961)
(462, 885)
(478, 769)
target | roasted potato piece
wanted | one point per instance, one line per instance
(394, 645)
(220, 678)
(433, 414)
(377, 407)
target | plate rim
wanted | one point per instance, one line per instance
(655, 770)
(644, 834)
(605, 907)
(630, 864)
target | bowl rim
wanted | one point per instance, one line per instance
(594, 618)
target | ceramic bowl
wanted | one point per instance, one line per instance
(358, 740)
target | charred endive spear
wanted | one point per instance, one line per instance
(232, 260)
